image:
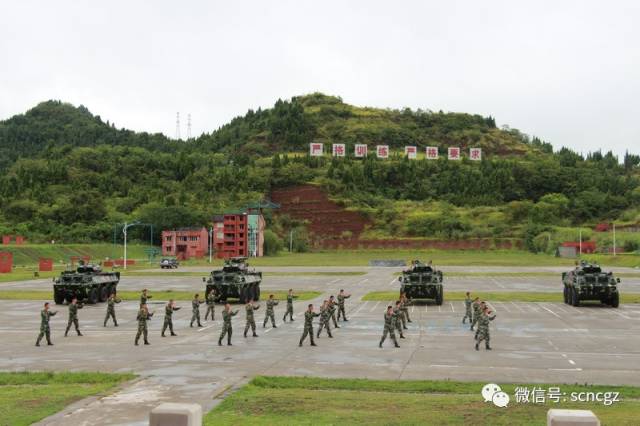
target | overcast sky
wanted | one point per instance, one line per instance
(566, 71)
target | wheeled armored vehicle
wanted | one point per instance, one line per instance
(234, 280)
(422, 281)
(587, 281)
(87, 283)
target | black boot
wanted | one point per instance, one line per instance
(219, 342)
(255, 335)
(477, 348)
(397, 345)
(380, 345)
(487, 347)
(146, 343)
(80, 334)
(173, 334)
(49, 344)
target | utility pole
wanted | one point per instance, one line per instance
(580, 249)
(614, 239)
(124, 231)
(210, 243)
(291, 241)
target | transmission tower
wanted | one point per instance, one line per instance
(188, 126)
(177, 126)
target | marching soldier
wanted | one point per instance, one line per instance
(405, 310)
(111, 309)
(476, 312)
(73, 316)
(397, 317)
(325, 317)
(144, 297)
(211, 305)
(227, 329)
(309, 315)
(195, 309)
(341, 298)
(143, 316)
(389, 325)
(290, 297)
(269, 314)
(483, 328)
(251, 322)
(169, 309)
(45, 330)
(332, 311)
(467, 307)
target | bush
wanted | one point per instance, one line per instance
(630, 246)
(272, 243)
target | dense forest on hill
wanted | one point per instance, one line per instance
(68, 175)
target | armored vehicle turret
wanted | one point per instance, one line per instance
(422, 281)
(587, 281)
(234, 280)
(87, 283)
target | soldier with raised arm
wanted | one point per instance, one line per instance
(269, 313)
(195, 310)
(143, 316)
(144, 297)
(73, 316)
(290, 297)
(332, 310)
(341, 298)
(467, 308)
(111, 309)
(389, 326)
(397, 318)
(227, 329)
(309, 315)
(325, 318)
(211, 305)
(251, 322)
(169, 309)
(45, 330)
(483, 328)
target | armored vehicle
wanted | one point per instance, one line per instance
(589, 282)
(234, 280)
(87, 283)
(168, 263)
(422, 281)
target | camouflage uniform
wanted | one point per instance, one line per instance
(143, 317)
(269, 314)
(143, 298)
(227, 329)
(483, 330)
(289, 311)
(111, 310)
(467, 307)
(325, 317)
(308, 327)
(195, 309)
(251, 322)
(45, 331)
(397, 320)
(341, 299)
(405, 310)
(73, 318)
(332, 312)
(211, 305)
(476, 314)
(389, 325)
(168, 318)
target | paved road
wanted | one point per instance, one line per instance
(533, 342)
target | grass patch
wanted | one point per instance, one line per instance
(505, 296)
(157, 295)
(26, 398)
(303, 400)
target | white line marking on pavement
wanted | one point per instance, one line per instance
(565, 369)
(334, 281)
(517, 307)
(392, 282)
(452, 310)
(268, 330)
(426, 308)
(412, 308)
(618, 313)
(550, 311)
(359, 309)
(374, 307)
(439, 310)
(504, 305)
(204, 328)
(444, 366)
(363, 281)
(572, 362)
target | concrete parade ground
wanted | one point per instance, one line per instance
(532, 342)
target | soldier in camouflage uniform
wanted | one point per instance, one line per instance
(251, 322)
(389, 325)
(211, 305)
(483, 328)
(325, 318)
(476, 312)
(405, 302)
(467, 307)
(73, 316)
(309, 315)
(144, 297)
(269, 313)
(341, 298)
(290, 297)
(397, 317)
(332, 310)
(143, 316)
(227, 329)
(45, 330)
(195, 310)
(169, 309)
(111, 309)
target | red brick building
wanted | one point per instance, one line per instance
(230, 237)
(185, 243)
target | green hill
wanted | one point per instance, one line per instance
(67, 175)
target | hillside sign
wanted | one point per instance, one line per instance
(382, 151)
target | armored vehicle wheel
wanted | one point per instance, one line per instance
(615, 300)
(93, 296)
(566, 295)
(68, 297)
(104, 293)
(58, 297)
(257, 293)
(575, 301)
(439, 297)
(242, 297)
